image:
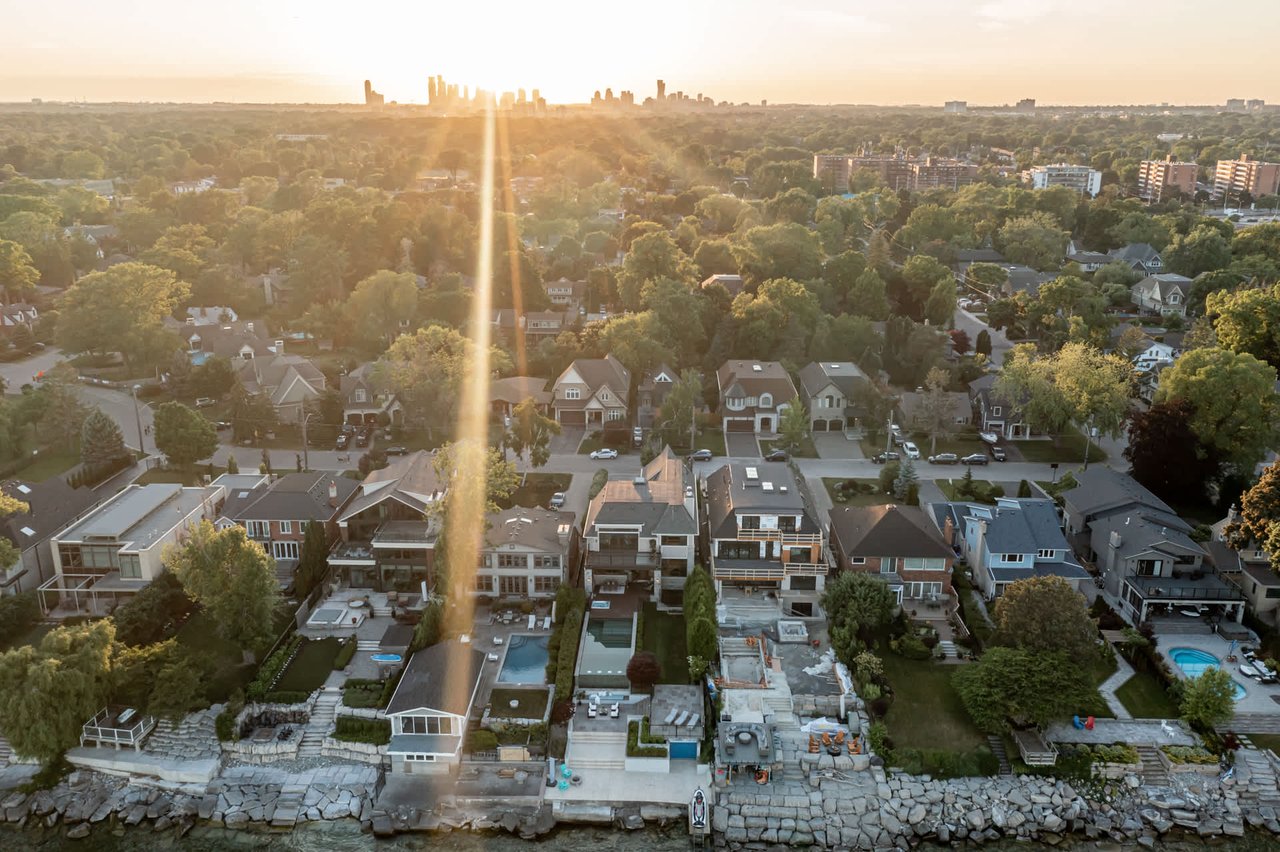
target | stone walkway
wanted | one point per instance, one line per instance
(1107, 689)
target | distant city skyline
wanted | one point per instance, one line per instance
(989, 52)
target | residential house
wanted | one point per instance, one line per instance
(528, 553)
(761, 535)
(363, 402)
(18, 313)
(1024, 279)
(503, 323)
(1164, 293)
(1144, 552)
(642, 531)
(753, 395)
(1249, 567)
(52, 504)
(592, 392)
(1140, 256)
(652, 392)
(276, 513)
(895, 543)
(546, 325)
(276, 287)
(733, 283)
(238, 342)
(94, 235)
(211, 315)
(1088, 261)
(430, 707)
(113, 552)
(830, 390)
(506, 394)
(565, 293)
(289, 381)
(1016, 539)
(387, 539)
(1154, 352)
(959, 407)
(996, 413)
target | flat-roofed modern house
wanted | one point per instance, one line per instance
(527, 553)
(642, 531)
(430, 707)
(113, 552)
(762, 536)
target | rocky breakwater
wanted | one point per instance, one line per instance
(86, 798)
(870, 811)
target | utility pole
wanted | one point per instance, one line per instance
(137, 413)
(305, 459)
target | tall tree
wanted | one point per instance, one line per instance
(793, 426)
(934, 415)
(313, 560)
(380, 303)
(1234, 400)
(1248, 321)
(1259, 519)
(18, 274)
(63, 416)
(1015, 685)
(531, 430)
(234, 581)
(457, 462)
(184, 435)
(940, 307)
(679, 409)
(651, 257)
(1203, 249)
(1208, 700)
(1166, 455)
(1036, 240)
(857, 605)
(119, 309)
(1046, 615)
(101, 442)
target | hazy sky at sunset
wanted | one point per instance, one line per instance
(811, 51)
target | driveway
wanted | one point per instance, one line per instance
(741, 445)
(567, 441)
(971, 325)
(834, 445)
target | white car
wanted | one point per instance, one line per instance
(910, 450)
(606, 453)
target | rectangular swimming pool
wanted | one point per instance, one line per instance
(526, 659)
(606, 650)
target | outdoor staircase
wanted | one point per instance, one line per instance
(997, 748)
(949, 649)
(195, 737)
(784, 717)
(6, 752)
(1254, 723)
(596, 750)
(1153, 769)
(370, 645)
(383, 611)
(1255, 777)
(321, 722)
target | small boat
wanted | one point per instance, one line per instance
(698, 809)
(989, 437)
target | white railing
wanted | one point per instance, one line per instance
(131, 735)
(786, 538)
(726, 570)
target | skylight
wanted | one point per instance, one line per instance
(23, 488)
(766, 486)
(752, 474)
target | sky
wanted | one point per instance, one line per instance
(795, 51)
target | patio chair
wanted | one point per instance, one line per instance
(671, 716)
(614, 711)
(592, 710)
(814, 748)
(826, 739)
(840, 738)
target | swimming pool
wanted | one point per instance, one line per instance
(1193, 662)
(526, 659)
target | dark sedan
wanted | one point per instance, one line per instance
(975, 458)
(944, 458)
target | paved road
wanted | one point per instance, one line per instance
(971, 325)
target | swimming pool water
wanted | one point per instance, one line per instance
(526, 660)
(1193, 662)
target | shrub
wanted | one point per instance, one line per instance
(345, 653)
(152, 615)
(225, 723)
(911, 646)
(371, 731)
(19, 612)
(481, 740)
(946, 764)
(361, 693)
(634, 740)
(568, 655)
(878, 737)
(597, 482)
(1189, 754)
(643, 670)
(271, 669)
(1118, 753)
(286, 696)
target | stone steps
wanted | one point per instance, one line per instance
(321, 722)
(6, 751)
(1254, 723)
(371, 645)
(949, 648)
(997, 748)
(381, 612)
(1153, 770)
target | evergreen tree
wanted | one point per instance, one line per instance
(907, 480)
(101, 443)
(983, 344)
(312, 559)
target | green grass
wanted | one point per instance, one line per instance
(948, 487)
(532, 703)
(926, 712)
(593, 441)
(707, 439)
(1266, 741)
(311, 667)
(537, 489)
(1145, 698)
(664, 635)
(876, 499)
(961, 445)
(1069, 448)
(48, 463)
(227, 670)
(806, 450)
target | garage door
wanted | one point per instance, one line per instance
(740, 425)
(684, 750)
(819, 425)
(572, 418)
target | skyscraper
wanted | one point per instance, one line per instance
(371, 98)
(662, 90)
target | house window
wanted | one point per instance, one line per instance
(604, 396)
(420, 758)
(426, 725)
(616, 414)
(737, 550)
(286, 528)
(1010, 557)
(284, 549)
(361, 395)
(1046, 554)
(130, 566)
(749, 522)
(545, 585)
(787, 523)
(513, 586)
(888, 565)
(799, 554)
(857, 560)
(766, 400)
(1272, 594)
(1148, 567)
(543, 561)
(1174, 298)
(259, 529)
(572, 393)
(995, 410)
(512, 560)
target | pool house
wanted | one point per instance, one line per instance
(430, 707)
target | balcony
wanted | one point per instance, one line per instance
(747, 570)
(797, 539)
(117, 726)
(622, 559)
(674, 551)
(419, 535)
(1207, 589)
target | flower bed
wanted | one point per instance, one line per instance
(641, 744)
(1189, 759)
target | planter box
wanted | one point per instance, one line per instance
(1208, 770)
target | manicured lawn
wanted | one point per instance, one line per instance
(537, 488)
(961, 445)
(532, 703)
(1266, 741)
(707, 439)
(806, 450)
(664, 636)
(948, 487)
(226, 665)
(48, 463)
(926, 712)
(310, 667)
(874, 499)
(1144, 697)
(593, 442)
(1068, 448)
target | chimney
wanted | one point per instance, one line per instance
(333, 493)
(1233, 514)
(949, 531)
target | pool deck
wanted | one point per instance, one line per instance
(1259, 698)
(541, 679)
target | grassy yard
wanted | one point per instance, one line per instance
(227, 670)
(310, 667)
(875, 499)
(708, 439)
(531, 703)
(537, 488)
(593, 441)
(1069, 448)
(664, 636)
(1265, 741)
(1144, 697)
(948, 487)
(46, 464)
(926, 712)
(806, 450)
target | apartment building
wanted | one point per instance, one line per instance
(1080, 178)
(1156, 177)
(1234, 179)
(832, 171)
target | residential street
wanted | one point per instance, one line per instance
(971, 325)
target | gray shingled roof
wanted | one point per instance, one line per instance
(728, 492)
(890, 530)
(845, 375)
(1100, 490)
(533, 527)
(297, 497)
(441, 677)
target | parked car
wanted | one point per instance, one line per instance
(362, 439)
(397, 451)
(205, 402)
(344, 441)
(700, 455)
(557, 500)
(998, 454)
(910, 450)
(606, 453)
(944, 458)
(886, 456)
(222, 425)
(776, 456)
(637, 436)
(975, 458)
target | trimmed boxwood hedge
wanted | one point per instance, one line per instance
(353, 730)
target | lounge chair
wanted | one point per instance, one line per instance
(546, 623)
(671, 716)
(826, 739)
(680, 720)
(614, 711)
(840, 738)
(592, 710)
(533, 622)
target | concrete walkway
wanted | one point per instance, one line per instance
(1108, 687)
